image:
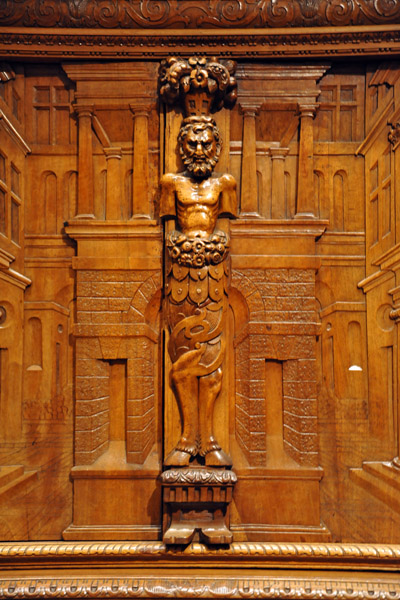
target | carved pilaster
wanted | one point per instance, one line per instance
(113, 203)
(278, 208)
(248, 195)
(85, 206)
(305, 181)
(140, 184)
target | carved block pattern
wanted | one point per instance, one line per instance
(277, 299)
(113, 298)
(140, 402)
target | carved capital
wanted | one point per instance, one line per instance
(278, 153)
(307, 110)
(113, 153)
(140, 110)
(249, 109)
(83, 110)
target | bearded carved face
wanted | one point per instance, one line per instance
(200, 147)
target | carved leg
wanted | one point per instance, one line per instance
(186, 389)
(209, 388)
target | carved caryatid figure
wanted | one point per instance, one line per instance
(197, 268)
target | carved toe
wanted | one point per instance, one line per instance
(177, 458)
(218, 458)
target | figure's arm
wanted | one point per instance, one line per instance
(228, 198)
(167, 197)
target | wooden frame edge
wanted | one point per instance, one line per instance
(242, 570)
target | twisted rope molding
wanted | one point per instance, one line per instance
(365, 552)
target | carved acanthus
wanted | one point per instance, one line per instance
(199, 475)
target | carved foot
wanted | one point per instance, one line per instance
(216, 533)
(218, 458)
(179, 533)
(181, 454)
(177, 458)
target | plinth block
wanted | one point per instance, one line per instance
(196, 504)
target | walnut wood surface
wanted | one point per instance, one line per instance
(309, 407)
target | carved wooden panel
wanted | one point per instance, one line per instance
(308, 410)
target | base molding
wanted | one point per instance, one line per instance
(222, 584)
(112, 532)
(381, 480)
(280, 533)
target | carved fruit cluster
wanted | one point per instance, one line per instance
(196, 251)
(213, 80)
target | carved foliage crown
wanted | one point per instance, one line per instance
(202, 84)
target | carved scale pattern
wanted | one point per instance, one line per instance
(203, 13)
(261, 587)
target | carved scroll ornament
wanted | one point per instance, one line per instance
(132, 14)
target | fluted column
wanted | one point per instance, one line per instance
(278, 206)
(305, 181)
(140, 180)
(248, 192)
(113, 201)
(85, 204)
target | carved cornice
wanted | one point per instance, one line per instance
(133, 14)
(194, 586)
(237, 43)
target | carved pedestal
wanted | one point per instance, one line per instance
(196, 501)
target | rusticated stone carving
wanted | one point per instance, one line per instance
(196, 291)
(132, 14)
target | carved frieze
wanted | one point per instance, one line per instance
(133, 14)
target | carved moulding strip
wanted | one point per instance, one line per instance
(132, 14)
(382, 40)
(354, 587)
(37, 555)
